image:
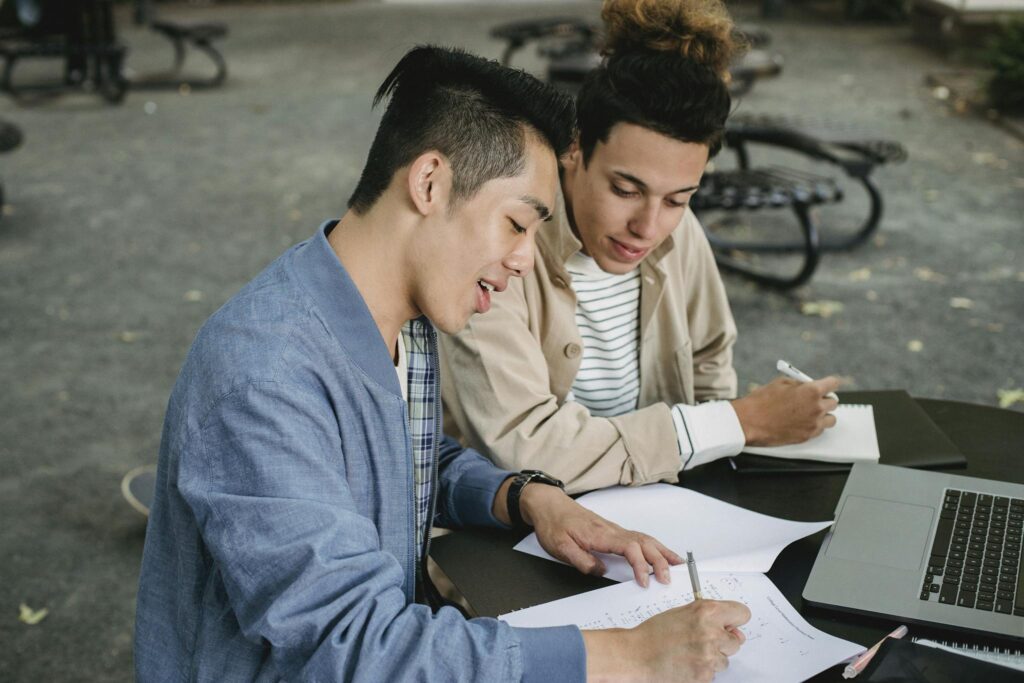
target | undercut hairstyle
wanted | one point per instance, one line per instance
(665, 69)
(474, 111)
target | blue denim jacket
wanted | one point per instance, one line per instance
(281, 543)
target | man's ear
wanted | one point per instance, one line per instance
(572, 160)
(430, 182)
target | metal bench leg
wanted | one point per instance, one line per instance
(867, 228)
(179, 55)
(218, 59)
(811, 249)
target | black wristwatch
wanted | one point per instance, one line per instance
(516, 489)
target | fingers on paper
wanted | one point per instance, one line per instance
(634, 554)
(583, 560)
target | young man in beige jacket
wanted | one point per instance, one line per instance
(611, 363)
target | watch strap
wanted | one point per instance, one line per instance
(515, 491)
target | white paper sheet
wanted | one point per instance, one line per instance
(723, 537)
(852, 439)
(781, 647)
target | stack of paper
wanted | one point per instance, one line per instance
(731, 545)
(722, 537)
(781, 647)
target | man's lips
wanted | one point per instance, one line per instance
(628, 252)
(483, 292)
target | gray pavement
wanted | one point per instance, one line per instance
(127, 226)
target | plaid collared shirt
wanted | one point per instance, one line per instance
(420, 343)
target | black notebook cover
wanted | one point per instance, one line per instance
(907, 437)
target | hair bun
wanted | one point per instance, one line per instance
(698, 30)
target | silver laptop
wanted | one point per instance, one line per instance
(925, 547)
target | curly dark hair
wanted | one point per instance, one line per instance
(665, 69)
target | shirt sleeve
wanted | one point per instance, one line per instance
(303, 569)
(707, 432)
(468, 483)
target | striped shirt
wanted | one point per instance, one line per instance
(608, 318)
(608, 381)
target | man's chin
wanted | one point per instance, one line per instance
(614, 267)
(454, 326)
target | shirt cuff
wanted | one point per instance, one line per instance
(552, 654)
(707, 432)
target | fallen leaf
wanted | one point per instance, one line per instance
(926, 274)
(961, 302)
(295, 215)
(807, 336)
(871, 295)
(915, 345)
(941, 93)
(823, 308)
(128, 337)
(30, 616)
(994, 327)
(1007, 397)
(860, 275)
(193, 295)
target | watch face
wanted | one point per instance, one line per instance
(543, 477)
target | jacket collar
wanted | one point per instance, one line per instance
(558, 242)
(344, 311)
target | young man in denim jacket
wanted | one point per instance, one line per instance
(302, 463)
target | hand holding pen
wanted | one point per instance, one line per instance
(784, 412)
(791, 371)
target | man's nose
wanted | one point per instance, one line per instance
(520, 260)
(644, 222)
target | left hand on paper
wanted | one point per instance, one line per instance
(572, 533)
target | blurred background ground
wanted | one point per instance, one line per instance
(128, 225)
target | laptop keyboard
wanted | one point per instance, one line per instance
(975, 558)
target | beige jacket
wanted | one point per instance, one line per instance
(505, 377)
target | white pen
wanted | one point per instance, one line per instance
(791, 371)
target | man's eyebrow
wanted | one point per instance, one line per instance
(643, 186)
(542, 210)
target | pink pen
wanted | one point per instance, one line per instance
(857, 665)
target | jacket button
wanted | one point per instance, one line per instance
(573, 350)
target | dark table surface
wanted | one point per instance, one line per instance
(496, 579)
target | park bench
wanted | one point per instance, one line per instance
(201, 36)
(81, 34)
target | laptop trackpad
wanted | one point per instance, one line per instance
(882, 532)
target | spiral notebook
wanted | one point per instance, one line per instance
(996, 655)
(921, 661)
(852, 439)
(906, 436)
